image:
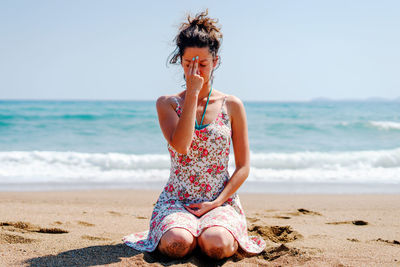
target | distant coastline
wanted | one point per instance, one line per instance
(316, 99)
(369, 99)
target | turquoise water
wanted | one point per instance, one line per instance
(113, 142)
(132, 127)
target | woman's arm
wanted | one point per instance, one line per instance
(179, 131)
(241, 149)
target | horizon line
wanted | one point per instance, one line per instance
(317, 99)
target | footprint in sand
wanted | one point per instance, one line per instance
(14, 239)
(85, 223)
(276, 252)
(282, 217)
(253, 220)
(299, 212)
(140, 217)
(356, 222)
(24, 227)
(277, 234)
(394, 242)
(302, 211)
(114, 213)
(51, 231)
(95, 238)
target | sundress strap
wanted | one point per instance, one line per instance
(177, 104)
(223, 103)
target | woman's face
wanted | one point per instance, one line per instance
(206, 61)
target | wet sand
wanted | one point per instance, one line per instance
(84, 228)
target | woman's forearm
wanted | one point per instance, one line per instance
(182, 136)
(237, 179)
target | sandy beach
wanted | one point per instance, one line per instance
(84, 228)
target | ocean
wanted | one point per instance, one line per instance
(296, 147)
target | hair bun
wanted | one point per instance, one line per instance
(203, 22)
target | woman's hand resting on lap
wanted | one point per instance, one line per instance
(200, 209)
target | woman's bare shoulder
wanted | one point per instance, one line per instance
(167, 100)
(231, 100)
(234, 105)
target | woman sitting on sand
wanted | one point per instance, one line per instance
(199, 204)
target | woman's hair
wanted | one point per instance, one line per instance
(200, 31)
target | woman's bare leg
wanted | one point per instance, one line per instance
(217, 242)
(177, 243)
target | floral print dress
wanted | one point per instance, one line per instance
(198, 176)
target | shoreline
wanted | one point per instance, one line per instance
(249, 187)
(300, 229)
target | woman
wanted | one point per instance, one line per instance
(199, 204)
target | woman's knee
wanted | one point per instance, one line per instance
(217, 243)
(177, 242)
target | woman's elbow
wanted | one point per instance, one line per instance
(245, 169)
(181, 149)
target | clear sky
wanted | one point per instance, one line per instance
(272, 50)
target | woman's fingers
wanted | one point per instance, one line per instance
(190, 71)
(194, 205)
(199, 209)
(194, 212)
(196, 66)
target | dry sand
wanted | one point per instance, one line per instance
(84, 228)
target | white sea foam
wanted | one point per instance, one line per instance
(386, 125)
(381, 166)
(52, 166)
(328, 160)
